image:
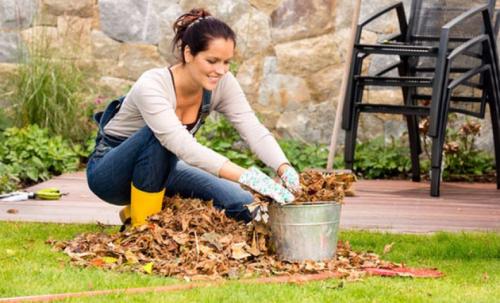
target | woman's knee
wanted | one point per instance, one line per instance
(235, 204)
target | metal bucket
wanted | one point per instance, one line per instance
(305, 231)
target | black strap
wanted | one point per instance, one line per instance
(204, 112)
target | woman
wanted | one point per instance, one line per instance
(146, 146)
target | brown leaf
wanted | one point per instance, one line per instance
(238, 252)
(388, 248)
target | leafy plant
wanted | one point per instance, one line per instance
(463, 161)
(376, 159)
(304, 155)
(30, 155)
(219, 135)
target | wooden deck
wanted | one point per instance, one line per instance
(394, 206)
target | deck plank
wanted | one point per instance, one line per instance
(387, 205)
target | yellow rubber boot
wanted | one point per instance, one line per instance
(125, 214)
(144, 204)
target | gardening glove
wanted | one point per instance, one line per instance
(291, 179)
(263, 184)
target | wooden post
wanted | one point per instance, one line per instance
(343, 86)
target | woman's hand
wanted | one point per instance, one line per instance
(263, 184)
(290, 178)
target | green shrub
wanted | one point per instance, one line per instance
(219, 135)
(303, 155)
(463, 160)
(31, 155)
(8, 178)
(49, 91)
(376, 159)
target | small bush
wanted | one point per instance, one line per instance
(375, 159)
(30, 155)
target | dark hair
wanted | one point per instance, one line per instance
(196, 29)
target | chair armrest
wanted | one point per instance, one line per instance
(437, 90)
(483, 9)
(400, 11)
(397, 6)
(462, 48)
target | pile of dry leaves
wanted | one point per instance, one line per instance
(192, 239)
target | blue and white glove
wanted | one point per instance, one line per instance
(264, 185)
(291, 179)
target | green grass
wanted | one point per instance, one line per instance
(471, 262)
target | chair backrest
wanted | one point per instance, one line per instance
(428, 16)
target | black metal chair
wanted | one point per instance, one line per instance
(442, 49)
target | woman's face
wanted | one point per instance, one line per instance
(208, 66)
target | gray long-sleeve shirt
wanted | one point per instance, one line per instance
(152, 102)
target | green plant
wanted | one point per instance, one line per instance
(304, 155)
(376, 159)
(49, 91)
(33, 155)
(219, 135)
(5, 120)
(463, 160)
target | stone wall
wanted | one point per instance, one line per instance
(290, 53)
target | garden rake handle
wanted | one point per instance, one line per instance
(343, 87)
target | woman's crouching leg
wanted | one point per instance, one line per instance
(191, 182)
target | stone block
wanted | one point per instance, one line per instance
(134, 59)
(307, 56)
(296, 19)
(10, 47)
(81, 8)
(17, 14)
(103, 47)
(266, 6)
(253, 34)
(130, 21)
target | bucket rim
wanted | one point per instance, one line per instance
(309, 204)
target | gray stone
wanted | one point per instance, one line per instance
(209, 5)
(370, 126)
(42, 36)
(249, 77)
(113, 87)
(253, 34)
(394, 129)
(17, 14)
(167, 19)
(10, 50)
(283, 92)
(297, 19)
(81, 8)
(74, 36)
(231, 11)
(131, 21)
(103, 47)
(307, 56)
(344, 12)
(312, 123)
(325, 84)
(267, 6)
(135, 59)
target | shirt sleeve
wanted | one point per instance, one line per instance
(158, 112)
(235, 107)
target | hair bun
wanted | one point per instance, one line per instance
(189, 18)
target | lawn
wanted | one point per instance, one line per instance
(470, 261)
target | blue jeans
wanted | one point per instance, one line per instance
(143, 161)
